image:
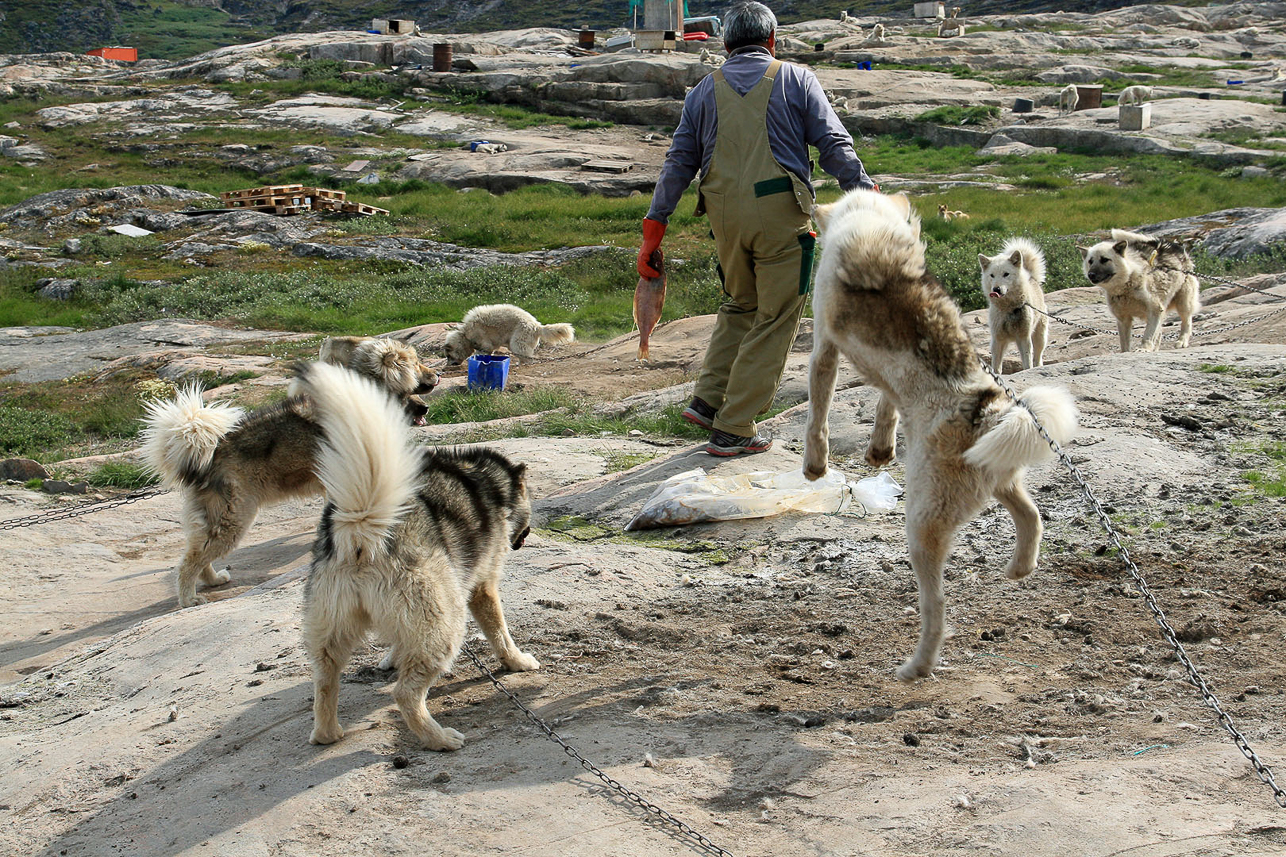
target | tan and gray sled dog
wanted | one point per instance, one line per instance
(1014, 283)
(408, 544)
(1143, 277)
(486, 328)
(228, 463)
(394, 365)
(966, 441)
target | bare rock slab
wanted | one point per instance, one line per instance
(34, 354)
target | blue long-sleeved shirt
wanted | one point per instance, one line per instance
(799, 115)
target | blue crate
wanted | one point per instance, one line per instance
(488, 371)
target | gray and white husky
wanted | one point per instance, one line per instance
(409, 544)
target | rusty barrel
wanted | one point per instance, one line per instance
(442, 56)
(587, 40)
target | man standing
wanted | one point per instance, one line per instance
(747, 128)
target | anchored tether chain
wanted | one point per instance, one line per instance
(633, 797)
(1167, 631)
(83, 509)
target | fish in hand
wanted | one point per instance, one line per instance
(649, 299)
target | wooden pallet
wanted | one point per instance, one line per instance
(608, 166)
(295, 199)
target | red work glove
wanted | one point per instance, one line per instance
(653, 232)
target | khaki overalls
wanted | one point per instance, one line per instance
(759, 217)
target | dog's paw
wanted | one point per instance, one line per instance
(389, 661)
(521, 663)
(192, 600)
(813, 472)
(444, 739)
(326, 734)
(912, 671)
(219, 577)
(1017, 571)
(879, 457)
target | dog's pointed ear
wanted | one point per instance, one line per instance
(983, 261)
(1119, 248)
(1016, 259)
(454, 325)
(822, 215)
(1085, 251)
(903, 203)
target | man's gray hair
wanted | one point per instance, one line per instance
(747, 24)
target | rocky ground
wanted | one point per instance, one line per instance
(739, 675)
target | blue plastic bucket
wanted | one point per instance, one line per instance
(488, 371)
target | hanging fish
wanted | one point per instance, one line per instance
(649, 299)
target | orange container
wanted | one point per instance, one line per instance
(126, 54)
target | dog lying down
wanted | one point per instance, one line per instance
(407, 543)
(966, 441)
(228, 463)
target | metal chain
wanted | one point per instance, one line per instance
(83, 509)
(1194, 676)
(632, 796)
(1070, 323)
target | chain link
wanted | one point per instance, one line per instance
(83, 509)
(631, 796)
(1167, 630)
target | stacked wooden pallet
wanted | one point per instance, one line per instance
(295, 198)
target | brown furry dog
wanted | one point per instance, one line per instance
(966, 441)
(1143, 277)
(229, 463)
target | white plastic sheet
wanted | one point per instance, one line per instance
(694, 496)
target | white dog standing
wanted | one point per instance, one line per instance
(1134, 95)
(1068, 99)
(1014, 283)
(1143, 277)
(967, 442)
(486, 328)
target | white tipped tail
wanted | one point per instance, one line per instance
(181, 435)
(557, 334)
(1015, 442)
(366, 461)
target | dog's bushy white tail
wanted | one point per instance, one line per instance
(366, 461)
(180, 435)
(1015, 442)
(557, 334)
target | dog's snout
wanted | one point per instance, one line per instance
(522, 538)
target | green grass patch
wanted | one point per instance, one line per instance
(53, 420)
(1269, 480)
(33, 433)
(121, 474)
(954, 114)
(485, 405)
(1215, 368)
(617, 460)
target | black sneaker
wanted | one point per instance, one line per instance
(724, 444)
(699, 412)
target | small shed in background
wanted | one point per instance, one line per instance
(392, 26)
(123, 54)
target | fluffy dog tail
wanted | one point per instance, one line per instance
(1033, 260)
(556, 334)
(366, 461)
(1015, 442)
(181, 435)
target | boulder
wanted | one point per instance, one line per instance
(57, 288)
(45, 207)
(22, 470)
(1233, 233)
